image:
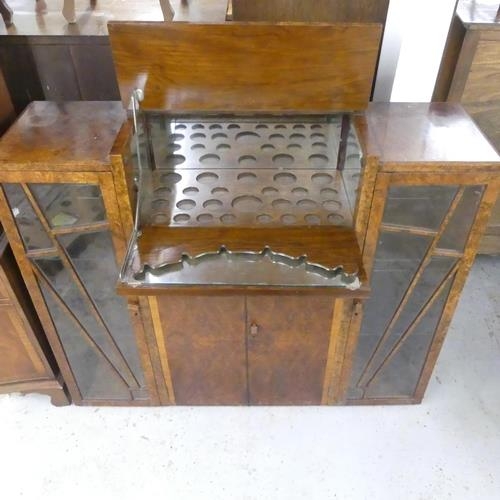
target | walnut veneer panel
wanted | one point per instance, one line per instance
(287, 352)
(316, 11)
(328, 246)
(49, 135)
(204, 339)
(427, 133)
(246, 67)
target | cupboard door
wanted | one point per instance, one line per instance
(288, 339)
(204, 341)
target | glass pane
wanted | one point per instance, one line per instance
(31, 230)
(400, 375)
(94, 376)
(397, 260)
(93, 257)
(70, 204)
(91, 320)
(457, 232)
(418, 206)
(402, 315)
(67, 290)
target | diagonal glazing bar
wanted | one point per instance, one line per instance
(411, 287)
(85, 334)
(423, 311)
(68, 264)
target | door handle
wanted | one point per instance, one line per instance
(254, 329)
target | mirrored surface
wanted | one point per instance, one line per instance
(247, 172)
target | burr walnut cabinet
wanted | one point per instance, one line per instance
(254, 253)
(66, 222)
(258, 269)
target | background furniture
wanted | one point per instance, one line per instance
(469, 73)
(63, 209)
(69, 10)
(327, 11)
(45, 58)
(7, 113)
(27, 363)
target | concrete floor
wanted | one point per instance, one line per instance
(448, 447)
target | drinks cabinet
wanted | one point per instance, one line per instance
(257, 264)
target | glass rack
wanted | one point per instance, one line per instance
(241, 172)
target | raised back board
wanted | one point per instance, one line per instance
(326, 11)
(246, 68)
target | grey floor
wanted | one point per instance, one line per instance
(448, 447)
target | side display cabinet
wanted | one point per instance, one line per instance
(65, 212)
(435, 180)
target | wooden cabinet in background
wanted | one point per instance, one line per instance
(26, 361)
(470, 74)
(326, 11)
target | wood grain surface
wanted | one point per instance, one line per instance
(328, 246)
(49, 135)
(205, 343)
(326, 11)
(287, 353)
(237, 67)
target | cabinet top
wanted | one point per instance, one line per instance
(476, 14)
(402, 133)
(70, 134)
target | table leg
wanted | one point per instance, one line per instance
(168, 11)
(6, 12)
(69, 11)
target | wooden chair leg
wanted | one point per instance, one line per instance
(41, 7)
(344, 135)
(6, 12)
(69, 12)
(168, 11)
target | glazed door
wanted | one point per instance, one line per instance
(423, 250)
(288, 341)
(67, 243)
